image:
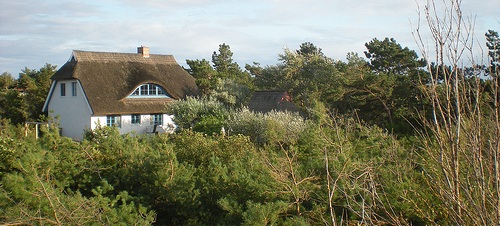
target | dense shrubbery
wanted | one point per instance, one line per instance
(200, 114)
(271, 128)
(289, 173)
(41, 183)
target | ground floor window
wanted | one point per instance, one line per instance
(157, 119)
(136, 119)
(113, 120)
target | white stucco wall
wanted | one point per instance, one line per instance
(97, 121)
(126, 125)
(73, 111)
(144, 126)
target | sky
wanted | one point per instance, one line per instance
(36, 32)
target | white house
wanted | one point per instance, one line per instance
(127, 90)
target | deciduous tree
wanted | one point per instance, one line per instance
(462, 139)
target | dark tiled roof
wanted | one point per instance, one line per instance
(108, 78)
(266, 101)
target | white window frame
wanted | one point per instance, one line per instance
(157, 119)
(149, 90)
(135, 119)
(73, 88)
(113, 120)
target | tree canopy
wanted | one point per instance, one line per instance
(224, 80)
(387, 56)
(22, 99)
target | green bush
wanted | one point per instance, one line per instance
(200, 114)
(270, 128)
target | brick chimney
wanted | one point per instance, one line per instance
(144, 51)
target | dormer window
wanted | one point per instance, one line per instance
(149, 91)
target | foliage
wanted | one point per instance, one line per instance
(493, 45)
(6, 81)
(191, 178)
(388, 56)
(224, 80)
(203, 73)
(230, 92)
(366, 174)
(270, 128)
(307, 74)
(384, 91)
(379, 93)
(200, 114)
(461, 140)
(229, 176)
(22, 100)
(36, 185)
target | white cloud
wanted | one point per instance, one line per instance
(35, 32)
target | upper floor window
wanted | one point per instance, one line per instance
(63, 89)
(73, 89)
(149, 90)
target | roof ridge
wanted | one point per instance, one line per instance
(81, 55)
(89, 51)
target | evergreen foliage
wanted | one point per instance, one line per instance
(189, 178)
(225, 80)
(22, 99)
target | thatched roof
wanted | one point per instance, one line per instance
(266, 101)
(109, 78)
